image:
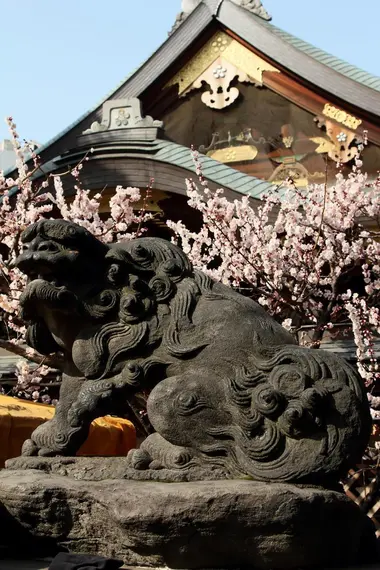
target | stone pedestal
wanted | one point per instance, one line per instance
(204, 524)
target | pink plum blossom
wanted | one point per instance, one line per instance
(298, 252)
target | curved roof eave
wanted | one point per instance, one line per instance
(221, 175)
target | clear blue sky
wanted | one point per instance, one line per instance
(60, 57)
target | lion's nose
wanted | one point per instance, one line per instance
(34, 261)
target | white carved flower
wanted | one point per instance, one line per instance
(342, 137)
(122, 118)
(219, 72)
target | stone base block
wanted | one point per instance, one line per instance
(207, 524)
(101, 468)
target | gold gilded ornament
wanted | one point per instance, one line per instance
(341, 116)
(221, 58)
(234, 153)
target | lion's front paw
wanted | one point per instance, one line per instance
(30, 448)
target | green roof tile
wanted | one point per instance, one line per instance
(343, 67)
(213, 170)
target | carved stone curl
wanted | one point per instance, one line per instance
(229, 388)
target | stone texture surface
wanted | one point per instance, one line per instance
(217, 524)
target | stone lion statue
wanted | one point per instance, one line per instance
(229, 388)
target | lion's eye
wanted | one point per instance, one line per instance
(187, 400)
(47, 246)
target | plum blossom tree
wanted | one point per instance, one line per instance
(310, 256)
(26, 199)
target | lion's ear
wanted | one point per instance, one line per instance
(40, 338)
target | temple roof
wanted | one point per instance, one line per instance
(330, 75)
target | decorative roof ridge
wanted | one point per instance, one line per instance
(255, 7)
(188, 6)
(125, 113)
